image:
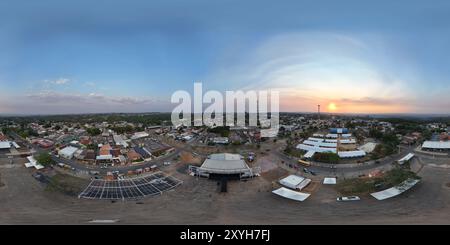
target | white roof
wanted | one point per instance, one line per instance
(319, 144)
(104, 157)
(315, 139)
(32, 160)
(406, 158)
(33, 163)
(224, 163)
(225, 156)
(68, 151)
(292, 181)
(315, 148)
(15, 145)
(347, 141)
(5, 145)
(138, 135)
(396, 190)
(329, 181)
(309, 154)
(345, 154)
(342, 141)
(368, 147)
(290, 194)
(220, 139)
(334, 136)
(119, 140)
(304, 184)
(436, 144)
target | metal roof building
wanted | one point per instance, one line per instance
(349, 154)
(68, 152)
(225, 164)
(439, 145)
(315, 148)
(5, 145)
(295, 182)
(406, 158)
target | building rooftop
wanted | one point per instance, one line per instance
(224, 163)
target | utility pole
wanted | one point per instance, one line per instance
(318, 111)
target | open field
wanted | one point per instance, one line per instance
(196, 201)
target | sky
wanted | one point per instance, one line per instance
(61, 57)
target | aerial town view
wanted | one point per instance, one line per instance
(188, 112)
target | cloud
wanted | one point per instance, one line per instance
(54, 102)
(48, 96)
(310, 68)
(374, 101)
(60, 81)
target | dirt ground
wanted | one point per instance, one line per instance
(197, 201)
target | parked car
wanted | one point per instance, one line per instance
(349, 198)
(309, 171)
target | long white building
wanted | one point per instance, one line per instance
(315, 144)
(436, 145)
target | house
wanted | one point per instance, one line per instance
(105, 150)
(133, 156)
(89, 156)
(85, 141)
(3, 137)
(43, 143)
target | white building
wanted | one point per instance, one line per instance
(5, 145)
(295, 182)
(139, 135)
(436, 145)
(220, 140)
(119, 140)
(68, 152)
(225, 164)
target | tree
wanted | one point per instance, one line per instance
(375, 133)
(45, 159)
(5, 130)
(93, 131)
(327, 157)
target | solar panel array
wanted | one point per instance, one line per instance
(135, 188)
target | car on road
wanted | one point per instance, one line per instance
(309, 171)
(349, 198)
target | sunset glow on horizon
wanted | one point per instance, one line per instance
(134, 63)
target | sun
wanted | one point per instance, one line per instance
(332, 107)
